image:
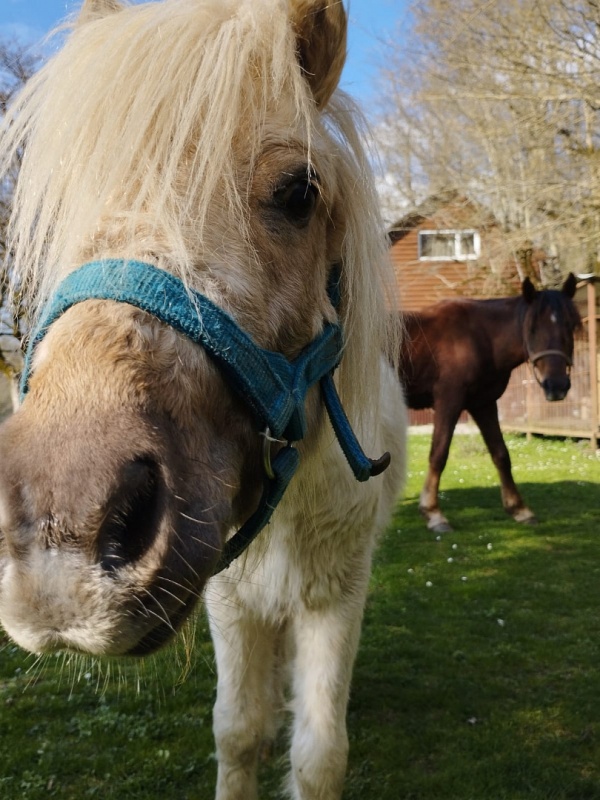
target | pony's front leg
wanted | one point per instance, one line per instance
(244, 715)
(326, 643)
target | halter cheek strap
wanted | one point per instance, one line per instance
(535, 357)
(273, 387)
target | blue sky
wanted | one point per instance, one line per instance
(371, 21)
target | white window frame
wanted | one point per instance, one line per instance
(457, 232)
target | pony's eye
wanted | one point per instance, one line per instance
(298, 200)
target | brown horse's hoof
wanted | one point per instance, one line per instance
(525, 517)
(441, 527)
(529, 521)
(436, 521)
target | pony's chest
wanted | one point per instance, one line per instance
(310, 555)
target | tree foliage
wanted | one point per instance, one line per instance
(501, 101)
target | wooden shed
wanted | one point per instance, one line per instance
(450, 247)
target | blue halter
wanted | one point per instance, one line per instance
(274, 387)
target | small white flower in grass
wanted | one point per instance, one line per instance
(501, 622)
(489, 546)
(88, 676)
(464, 578)
(472, 720)
(429, 584)
(455, 547)
(438, 538)
(450, 560)
(410, 571)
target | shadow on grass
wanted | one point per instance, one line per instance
(563, 503)
(478, 671)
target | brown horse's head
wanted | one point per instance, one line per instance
(551, 319)
(202, 138)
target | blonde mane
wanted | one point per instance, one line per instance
(117, 131)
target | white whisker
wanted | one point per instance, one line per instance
(193, 519)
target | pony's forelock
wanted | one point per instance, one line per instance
(142, 110)
(119, 109)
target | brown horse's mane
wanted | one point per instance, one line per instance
(545, 300)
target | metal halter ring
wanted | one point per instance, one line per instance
(267, 441)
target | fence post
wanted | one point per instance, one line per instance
(528, 406)
(593, 350)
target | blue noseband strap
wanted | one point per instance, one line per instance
(272, 386)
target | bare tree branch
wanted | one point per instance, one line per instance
(501, 101)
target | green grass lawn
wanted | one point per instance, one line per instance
(478, 676)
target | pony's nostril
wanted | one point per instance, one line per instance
(132, 515)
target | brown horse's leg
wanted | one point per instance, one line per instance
(445, 420)
(486, 418)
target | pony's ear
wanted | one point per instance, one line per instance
(320, 27)
(95, 9)
(570, 285)
(528, 290)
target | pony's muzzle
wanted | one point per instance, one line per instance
(102, 549)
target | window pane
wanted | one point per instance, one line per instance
(467, 244)
(437, 245)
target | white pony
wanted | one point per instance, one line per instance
(202, 144)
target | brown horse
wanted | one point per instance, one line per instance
(459, 354)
